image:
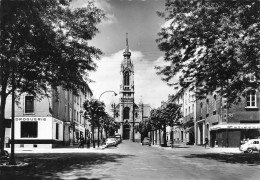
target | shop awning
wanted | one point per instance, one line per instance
(235, 126)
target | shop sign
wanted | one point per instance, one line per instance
(30, 118)
(236, 126)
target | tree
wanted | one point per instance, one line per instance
(143, 128)
(110, 125)
(214, 44)
(162, 117)
(156, 121)
(171, 114)
(49, 40)
(94, 112)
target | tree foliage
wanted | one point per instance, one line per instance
(109, 124)
(167, 115)
(94, 112)
(214, 44)
(144, 127)
(49, 43)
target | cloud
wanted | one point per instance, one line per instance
(101, 4)
(110, 19)
(148, 85)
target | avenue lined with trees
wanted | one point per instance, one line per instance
(167, 115)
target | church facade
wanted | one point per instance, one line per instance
(127, 112)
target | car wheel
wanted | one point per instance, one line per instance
(250, 150)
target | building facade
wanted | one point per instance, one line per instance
(237, 122)
(213, 118)
(48, 122)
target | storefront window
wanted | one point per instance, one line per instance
(57, 131)
(29, 129)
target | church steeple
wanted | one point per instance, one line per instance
(127, 53)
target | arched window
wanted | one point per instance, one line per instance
(126, 78)
(126, 112)
(251, 98)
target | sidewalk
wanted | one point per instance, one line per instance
(67, 149)
(198, 149)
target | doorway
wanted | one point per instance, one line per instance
(126, 131)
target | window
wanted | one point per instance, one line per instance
(70, 114)
(126, 112)
(207, 107)
(29, 104)
(126, 78)
(66, 94)
(80, 119)
(201, 105)
(251, 98)
(252, 78)
(29, 129)
(215, 103)
(65, 110)
(57, 131)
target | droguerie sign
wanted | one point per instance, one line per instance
(31, 119)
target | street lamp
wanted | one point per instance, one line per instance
(12, 158)
(105, 92)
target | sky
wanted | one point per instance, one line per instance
(138, 18)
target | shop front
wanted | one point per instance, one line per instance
(79, 130)
(38, 132)
(230, 135)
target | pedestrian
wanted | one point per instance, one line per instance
(206, 142)
(88, 142)
(243, 141)
(81, 142)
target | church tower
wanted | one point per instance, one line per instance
(126, 94)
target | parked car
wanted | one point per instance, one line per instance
(251, 146)
(111, 142)
(118, 138)
(146, 141)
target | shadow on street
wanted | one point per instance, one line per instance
(248, 159)
(55, 166)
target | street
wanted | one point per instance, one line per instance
(133, 161)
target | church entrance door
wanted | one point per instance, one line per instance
(126, 131)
